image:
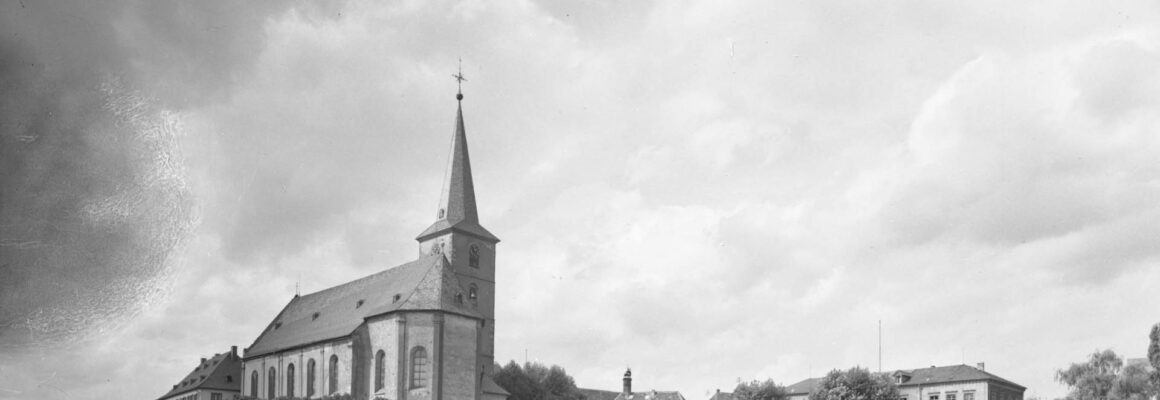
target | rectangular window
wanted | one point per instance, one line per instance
(215, 396)
(934, 396)
(952, 396)
(968, 395)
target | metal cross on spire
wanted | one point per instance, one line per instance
(459, 80)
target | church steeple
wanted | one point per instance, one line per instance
(457, 209)
(467, 247)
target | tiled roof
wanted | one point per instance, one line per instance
(597, 394)
(468, 227)
(803, 387)
(722, 396)
(423, 284)
(220, 372)
(651, 395)
(952, 373)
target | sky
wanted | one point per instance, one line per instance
(704, 192)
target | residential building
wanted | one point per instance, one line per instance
(719, 395)
(954, 382)
(214, 378)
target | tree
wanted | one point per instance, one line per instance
(1133, 383)
(1094, 379)
(535, 381)
(1154, 355)
(757, 390)
(854, 384)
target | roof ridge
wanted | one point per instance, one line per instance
(364, 278)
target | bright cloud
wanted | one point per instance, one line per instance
(706, 193)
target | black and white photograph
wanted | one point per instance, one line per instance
(579, 200)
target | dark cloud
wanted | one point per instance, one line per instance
(93, 192)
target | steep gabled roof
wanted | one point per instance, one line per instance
(952, 373)
(424, 284)
(220, 372)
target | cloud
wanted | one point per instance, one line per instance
(743, 191)
(96, 202)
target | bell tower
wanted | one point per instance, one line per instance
(457, 234)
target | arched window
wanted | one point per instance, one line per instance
(290, 380)
(332, 382)
(271, 386)
(473, 292)
(254, 384)
(310, 378)
(380, 370)
(418, 367)
(473, 256)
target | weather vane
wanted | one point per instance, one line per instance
(459, 80)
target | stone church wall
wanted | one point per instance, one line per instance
(383, 334)
(300, 358)
(460, 335)
(420, 332)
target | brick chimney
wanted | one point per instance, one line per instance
(628, 382)
(981, 366)
(234, 351)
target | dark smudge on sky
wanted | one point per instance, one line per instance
(93, 200)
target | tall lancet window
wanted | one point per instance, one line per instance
(254, 384)
(332, 383)
(418, 367)
(310, 378)
(380, 370)
(271, 385)
(290, 380)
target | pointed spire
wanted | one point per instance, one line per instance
(457, 208)
(457, 203)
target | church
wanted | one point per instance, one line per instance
(423, 330)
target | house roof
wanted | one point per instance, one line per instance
(422, 285)
(921, 376)
(651, 395)
(804, 387)
(721, 396)
(221, 372)
(597, 394)
(951, 373)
